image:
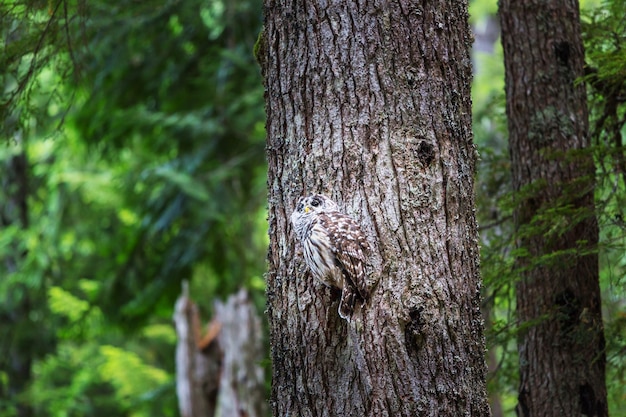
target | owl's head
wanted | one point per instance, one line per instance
(307, 209)
(315, 204)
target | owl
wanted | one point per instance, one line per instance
(334, 248)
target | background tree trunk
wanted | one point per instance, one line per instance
(369, 102)
(19, 345)
(218, 372)
(198, 365)
(558, 296)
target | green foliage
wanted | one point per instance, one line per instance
(64, 303)
(84, 379)
(185, 108)
(134, 381)
(495, 205)
(604, 32)
(65, 384)
(34, 42)
(142, 127)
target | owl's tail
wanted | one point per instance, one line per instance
(349, 297)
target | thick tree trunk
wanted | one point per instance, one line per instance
(558, 297)
(369, 103)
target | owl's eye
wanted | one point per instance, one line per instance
(316, 202)
(300, 207)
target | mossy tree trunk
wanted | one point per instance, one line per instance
(369, 103)
(561, 346)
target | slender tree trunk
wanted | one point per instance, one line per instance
(558, 297)
(17, 346)
(369, 103)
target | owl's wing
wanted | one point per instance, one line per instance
(350, 247)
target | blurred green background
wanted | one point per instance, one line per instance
(133, 157)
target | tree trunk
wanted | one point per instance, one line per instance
(18, 344)
(242, 377)
(561, 347)
(369, 103)
(218, 373)
(198, 360)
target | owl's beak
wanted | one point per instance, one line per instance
(306, 209)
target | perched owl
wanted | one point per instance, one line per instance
(334, 248)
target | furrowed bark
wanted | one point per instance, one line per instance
(369, 103)
(561, 347)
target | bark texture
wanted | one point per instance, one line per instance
(558, 297)
(369, 103)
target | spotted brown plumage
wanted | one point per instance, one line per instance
(335, 248)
